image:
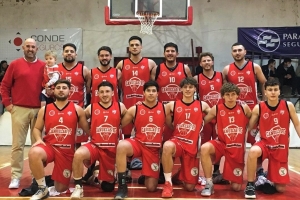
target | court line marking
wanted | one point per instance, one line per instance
(8, 164)
(291, 168)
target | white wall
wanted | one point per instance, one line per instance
(5, 130)
(214, 28)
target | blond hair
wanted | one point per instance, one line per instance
(51, 53)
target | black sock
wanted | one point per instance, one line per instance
(128, 165)
(216, 167)
(122, 178)
(161, 170)
(78, 182)
(250, 183)
(90, 170)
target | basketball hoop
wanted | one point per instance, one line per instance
(147, 19)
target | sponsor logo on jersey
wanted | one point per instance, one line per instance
(106, 130)
(171, 90)
(150, 130)
(232, 131)
(212, 97)
(134, 83)
(275, 133)
(185, 127)
(244, 90)
(60, 132)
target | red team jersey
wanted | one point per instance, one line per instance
(111, 75)
(245, 80)
(231, 126)
(134, 76)
(75, 76)
(60, 126)
(209, 88)
(168, 81)
(188, 122)
(149, 123)
(275, 129)
(105, 124)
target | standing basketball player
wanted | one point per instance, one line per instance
(273, 117)
(231, 118)
(187, 123)
(104, 73)
(135, 72)
(168, 75)
(244, 74)
(80, 78)
(209, 83)
(105, 122)
(149, 118)
(58, 145)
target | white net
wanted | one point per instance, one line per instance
(147, 20)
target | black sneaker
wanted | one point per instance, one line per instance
(250, 192)
(122, 192)
(141, 180)
(217, 178)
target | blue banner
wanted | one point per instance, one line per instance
(274, 40)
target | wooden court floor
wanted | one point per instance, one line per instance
(139, 192)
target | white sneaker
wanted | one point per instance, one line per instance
(42, 193)
(202, 181)
(14, 183)
(208, 190)
(77, 193)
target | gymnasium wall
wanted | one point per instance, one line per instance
(214, 27)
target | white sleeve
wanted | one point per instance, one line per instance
(55, 77)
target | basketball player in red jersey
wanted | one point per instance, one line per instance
(187, 123)
(273, 117)
(135, 72)
(149, 118)
(168, 76)
(232, 119)
(104, 72)
(105, 122)
(244, 74)
(209, 83)
(80, 78)
(58, 145)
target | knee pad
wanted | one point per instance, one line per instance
(107, 187)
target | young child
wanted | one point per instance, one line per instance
(51, 75)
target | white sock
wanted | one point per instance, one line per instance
(41, 182)
(168, 177)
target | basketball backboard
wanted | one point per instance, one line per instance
(171, 12)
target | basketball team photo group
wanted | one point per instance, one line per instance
(139, 126)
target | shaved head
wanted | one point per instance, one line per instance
(29, 40)
(29, 49)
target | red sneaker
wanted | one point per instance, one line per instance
(167, 190)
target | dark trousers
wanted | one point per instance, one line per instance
(292, 82)
(297, 84)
